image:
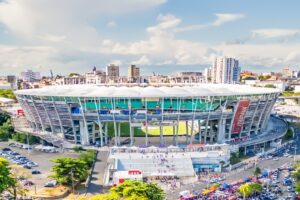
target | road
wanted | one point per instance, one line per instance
(96, 184)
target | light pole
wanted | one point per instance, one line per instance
(295, 153)
(72, 179)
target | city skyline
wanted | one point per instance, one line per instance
(157, 36)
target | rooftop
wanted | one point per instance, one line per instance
(147, 91)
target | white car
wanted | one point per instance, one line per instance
(275, 159)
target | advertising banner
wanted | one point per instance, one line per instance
(238, 119)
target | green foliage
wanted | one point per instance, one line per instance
(257, 171)
(263, 78)
(78, 149)
(249, 189)
(108, 196)
(296, 175)
(22, 138)
(288, 135)
(3, 118)
(6, 180)
(69, 170)
(234, 158)
(7, 94)
(270, 86)
(73, 74)
(137, 190)
(290, 93)
(89, 157)
(6, 128)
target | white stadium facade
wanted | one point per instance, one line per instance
(81, 113)
(218, 118)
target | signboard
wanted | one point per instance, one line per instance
(238, 119)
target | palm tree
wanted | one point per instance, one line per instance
(257, 171)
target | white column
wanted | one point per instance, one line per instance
(106, 132)
(199, 129)
(119, 133)
(131, 134)
(146, 133)
(187, 131)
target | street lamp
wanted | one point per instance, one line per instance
(295, 153)
(72, 179)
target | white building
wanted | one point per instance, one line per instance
(207, 74)
(225, 70)
(95, 77)
(30, 76)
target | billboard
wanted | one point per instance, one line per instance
(238, 120)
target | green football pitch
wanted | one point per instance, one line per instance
(141, 131)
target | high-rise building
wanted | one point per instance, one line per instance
(207, 74)
(286, 72)
(225, 70)
(133, 72)
(112, 70)
(30, 76)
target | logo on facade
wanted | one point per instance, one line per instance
(239, 116)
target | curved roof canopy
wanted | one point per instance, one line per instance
(148, 91)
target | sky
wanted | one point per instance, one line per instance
(161, 36)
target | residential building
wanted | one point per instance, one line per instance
(133, 73)
(112, 70)
(207, 74)
(225, 70)
(71, 80)
(188, 77)
(286, 72)
(30, 76)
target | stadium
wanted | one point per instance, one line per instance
(169, 131)
(204, 113)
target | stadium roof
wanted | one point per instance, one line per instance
(148, 91)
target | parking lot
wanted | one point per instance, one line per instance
(42, 159)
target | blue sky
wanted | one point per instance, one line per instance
(158, 35)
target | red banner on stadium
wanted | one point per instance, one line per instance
(238, 119)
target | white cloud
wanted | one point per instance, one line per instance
(116, 62)
(111, 24)
(63, 26)
(222, 18)
(53, 38)
(142, 61)
(274, 33)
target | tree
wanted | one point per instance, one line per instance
(270, 86)
(138, 190)
(257, 172)
(77, 148)
(68, 171)
(289, 134)
(89, 157)
(108, 196)
(7, 94)
(7, 182)
(249, 189)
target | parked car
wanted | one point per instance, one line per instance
(51, 183)
(28, 183)
(35, 172)
(26, 167)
